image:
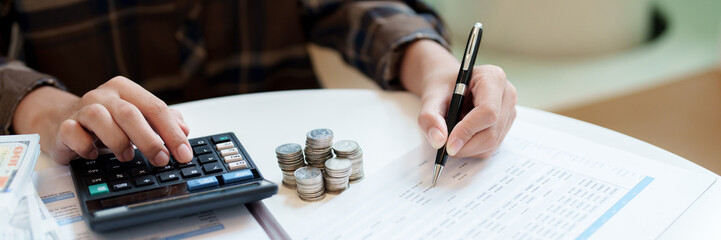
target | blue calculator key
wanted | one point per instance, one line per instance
(201, 183)
(237, 176)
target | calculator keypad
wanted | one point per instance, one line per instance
(108, 175)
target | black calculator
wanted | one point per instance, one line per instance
(116, 194)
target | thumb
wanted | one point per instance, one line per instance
(431, 119)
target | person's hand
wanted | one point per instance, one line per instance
(489, 108)
(116, 115)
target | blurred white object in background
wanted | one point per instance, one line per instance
(549, 28)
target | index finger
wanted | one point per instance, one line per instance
(487, 86)
(161, 119)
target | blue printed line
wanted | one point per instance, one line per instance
(67, 221)
(58, 197)
(197, 232)
(615, 208)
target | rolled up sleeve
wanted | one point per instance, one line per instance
(16, 81)
(372, 35)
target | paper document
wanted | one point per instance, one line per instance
(22, 214)
(541, 184)
(56, 189)
(18, 154)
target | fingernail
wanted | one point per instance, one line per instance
(94, 154)
(161, 159)
(454, 147)
(129, 154)
(435, 137)
(184, 153)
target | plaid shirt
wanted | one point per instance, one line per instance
(192, 49)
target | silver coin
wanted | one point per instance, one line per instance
(312, 199)
(355, 180)
(345, 146)
(339, 164)
(307, 173)
(288, 149)
(320, 134)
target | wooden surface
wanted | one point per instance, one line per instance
(683, 117)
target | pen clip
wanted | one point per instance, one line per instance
(471, 46)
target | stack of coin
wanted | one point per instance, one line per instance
(337, 171)
(350, 150)
(309, 184)
(318, 147)
(290, 158)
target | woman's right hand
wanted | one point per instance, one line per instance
(118, 114)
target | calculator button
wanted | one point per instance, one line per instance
(188, 164)
(98, 189)
(144, 181)
(201, 183)
(237, 165)
(237, 176)
(139, 171)
(137, 163)
(228, 152)
(220, 138)
(233, 158)
(212, 168)
(90, 163)
(122, 185)
(113, 165)
(95, 180)
(225, 145)
(190, 172)
(202, 150)
(168, 176)
(91, 171)
(197, 142)
(164, 168)
(119, 175)
(206, 158)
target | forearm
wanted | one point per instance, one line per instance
(425, 64)
(386, 27)
(40, 110)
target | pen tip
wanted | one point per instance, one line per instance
(436, 173)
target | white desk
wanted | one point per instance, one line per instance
(384, 124)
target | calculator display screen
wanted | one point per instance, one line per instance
(138, 197)
(157, 195)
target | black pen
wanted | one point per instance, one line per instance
(459, 93)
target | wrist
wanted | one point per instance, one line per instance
(41, 111)
(426, 64)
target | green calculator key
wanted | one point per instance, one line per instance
(221, 138)
(98, 189)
